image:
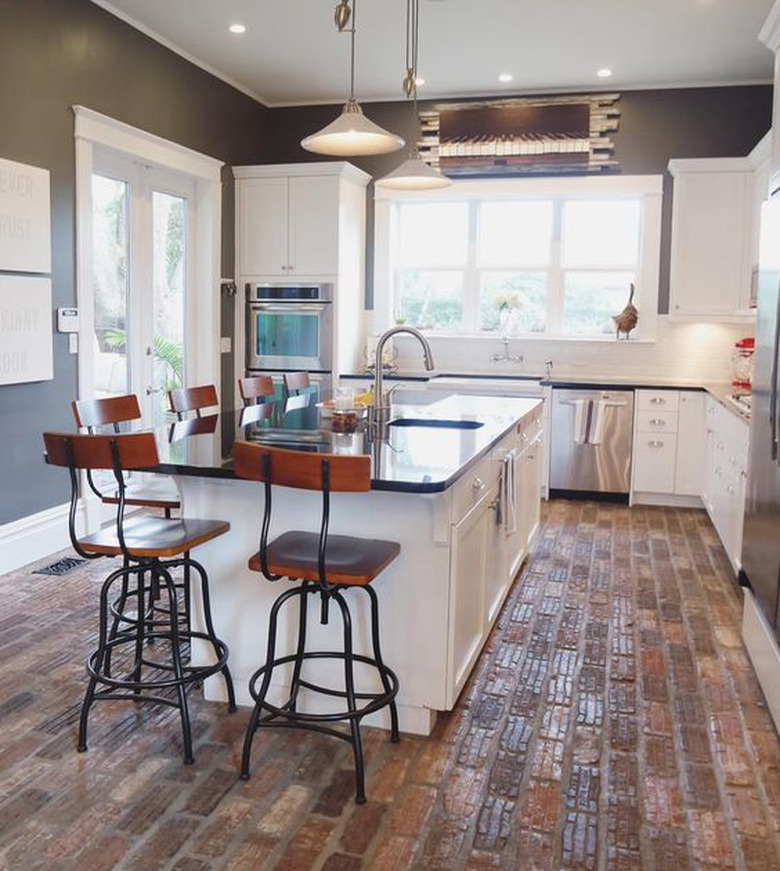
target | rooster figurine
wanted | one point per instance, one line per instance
(628, 318)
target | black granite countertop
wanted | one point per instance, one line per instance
(417, 458)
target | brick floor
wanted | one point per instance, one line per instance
(613, 722)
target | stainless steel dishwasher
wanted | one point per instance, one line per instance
(591, 436)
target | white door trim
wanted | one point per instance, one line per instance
(93, 129)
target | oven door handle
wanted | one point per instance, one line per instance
(290, 308)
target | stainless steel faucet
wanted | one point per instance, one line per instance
(506, 357)
(380, 411)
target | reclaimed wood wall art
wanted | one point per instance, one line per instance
(523, 136)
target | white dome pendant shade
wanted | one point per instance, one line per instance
(414, 174)
(352, 135)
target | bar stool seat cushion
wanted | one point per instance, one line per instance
(154, 536)
(348, 560)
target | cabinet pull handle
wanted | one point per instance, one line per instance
(655, 443)
(730, 490)
(658, 400)
(477, 484)
(657, 421)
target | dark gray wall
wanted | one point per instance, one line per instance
(655, 126)
(55, 54)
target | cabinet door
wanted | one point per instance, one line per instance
(467, 594)
(710, 270)
(314, 225)
(708, 483)
(689, 472)
(500, 547)
(529, 498)
(654, 462)
(262, 225)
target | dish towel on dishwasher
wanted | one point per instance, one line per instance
(507, 503)
(589, 421)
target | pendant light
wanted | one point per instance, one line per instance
(351, 134)
(414, 173)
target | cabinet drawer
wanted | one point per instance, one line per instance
(657, 400)
(654, 463)
(654, 421)
(473, 486)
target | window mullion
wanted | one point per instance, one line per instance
(555, 288)
(471, 274)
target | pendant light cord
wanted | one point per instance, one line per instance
(352, 53)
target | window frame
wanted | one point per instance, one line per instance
(647, 188)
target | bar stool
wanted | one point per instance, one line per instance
(111, 411)
(150, 547)
(194, 399)
(326, 565)
(257, 388)
(295, 382)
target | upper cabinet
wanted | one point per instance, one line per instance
(715, 223)
(291, 218)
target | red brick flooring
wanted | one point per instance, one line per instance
(613, 722)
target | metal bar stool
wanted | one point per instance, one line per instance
(326, 565)
(151, 547)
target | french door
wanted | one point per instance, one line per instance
(143, 260)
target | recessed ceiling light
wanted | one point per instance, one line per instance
(505, 77)
(237, 28)
(419, 81)
(604, 73)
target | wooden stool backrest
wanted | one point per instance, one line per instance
(295, 381)
(77, 451)
(113, 410)
(256, 388)
(193, 399)
(303, 471)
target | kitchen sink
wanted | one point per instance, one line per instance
(436, 424)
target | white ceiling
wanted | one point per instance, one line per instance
(292, 53)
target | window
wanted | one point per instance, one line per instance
(552, 258)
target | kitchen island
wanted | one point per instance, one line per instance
(457, 483)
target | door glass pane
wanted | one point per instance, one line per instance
(601, 232)
(110, 270)
(288, 335)
(430, 300)
(170, 291)
(513, 303)
(590, 299)
(433, 234)
(515, 234)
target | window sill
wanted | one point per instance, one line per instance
(497, 337)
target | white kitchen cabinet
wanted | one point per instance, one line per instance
(313, 225)
(689, 463)
(725, 474)
(263, 208)
(654, 462)
(712, 236)
(468, 575)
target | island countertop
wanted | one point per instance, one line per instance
(415, 457)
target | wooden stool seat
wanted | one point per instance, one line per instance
(154, 536)
(348, 560)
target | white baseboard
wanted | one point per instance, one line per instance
(666, 500)
(34, 537)
(764, 654)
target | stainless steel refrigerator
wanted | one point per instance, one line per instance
(761, 543)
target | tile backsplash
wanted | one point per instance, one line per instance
(688, 351)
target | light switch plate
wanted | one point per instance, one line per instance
(225, 344)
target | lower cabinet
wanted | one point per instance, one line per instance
(468, 586)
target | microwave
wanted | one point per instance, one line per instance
(289, 326)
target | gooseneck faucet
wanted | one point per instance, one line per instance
(380, 412)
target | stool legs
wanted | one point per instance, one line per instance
(352, 713)
(394, 736)
(295, 683)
